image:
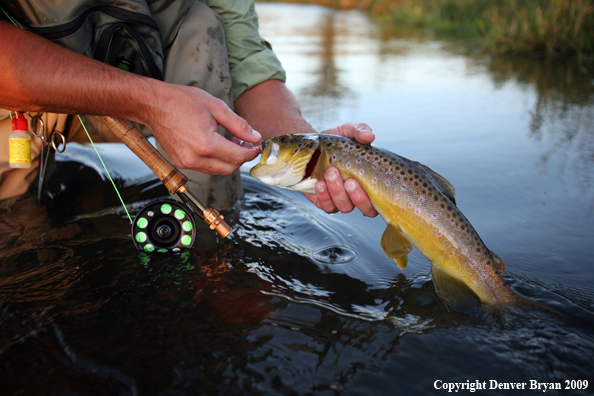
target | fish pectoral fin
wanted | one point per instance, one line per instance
(498, 262)
(396, 246)
(447, 188)
(454, 292)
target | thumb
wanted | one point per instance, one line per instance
(361, 132)
(236, 125)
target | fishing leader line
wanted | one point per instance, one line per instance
(105, 167)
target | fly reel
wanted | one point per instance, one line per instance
(163, 226)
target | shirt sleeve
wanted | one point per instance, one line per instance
(251, 60)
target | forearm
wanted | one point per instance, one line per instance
(271, 109)
(38, 75)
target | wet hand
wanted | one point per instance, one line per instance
(186, 123)
(332, 194)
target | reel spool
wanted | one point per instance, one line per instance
(163, 226)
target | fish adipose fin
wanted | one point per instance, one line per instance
(447, 188)
(396, 246)
(454, 292)
(498, 262)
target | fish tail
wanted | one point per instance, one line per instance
(525, 305)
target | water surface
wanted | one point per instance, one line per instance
(280, 307)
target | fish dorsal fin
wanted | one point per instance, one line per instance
(448, 190)
(497, 262)
(455, 293)
(396, 246)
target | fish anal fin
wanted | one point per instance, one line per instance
(402, 261)
(497, 262)
(447, 187)
(395, 245)
(455, 293)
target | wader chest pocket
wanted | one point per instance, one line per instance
(123, 36)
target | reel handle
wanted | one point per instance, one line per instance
(173, 179)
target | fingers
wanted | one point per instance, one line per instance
(218, 156)
(331, 194)
(361, 132)
(334, 195)
(226, 150)
(191, 140)
(234, 123)
(359, 198)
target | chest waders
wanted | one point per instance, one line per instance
(128, 36)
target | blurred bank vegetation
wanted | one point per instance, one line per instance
(538, 27)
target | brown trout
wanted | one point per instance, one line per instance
(417, 204)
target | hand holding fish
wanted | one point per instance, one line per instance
(335, 195)
(272, 110)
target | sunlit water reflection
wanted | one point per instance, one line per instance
(280, 307)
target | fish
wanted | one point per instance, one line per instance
(417, 204)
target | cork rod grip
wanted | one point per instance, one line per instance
(173, 179)
(131, 137)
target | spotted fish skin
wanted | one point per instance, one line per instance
(417, 204)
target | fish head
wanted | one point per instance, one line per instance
(288, 162)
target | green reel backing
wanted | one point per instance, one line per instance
(163, 226)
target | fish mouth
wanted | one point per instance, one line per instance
(294, 173)
(309, 168)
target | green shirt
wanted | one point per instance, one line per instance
(251, 60)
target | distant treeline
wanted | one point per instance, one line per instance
(545, 27)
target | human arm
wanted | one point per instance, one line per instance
(38, 75)
(273, 111)
(261, 98)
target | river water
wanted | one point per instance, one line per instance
(280, 307)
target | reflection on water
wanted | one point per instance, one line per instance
(563, 113)
(82, 312)
(325, 93)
